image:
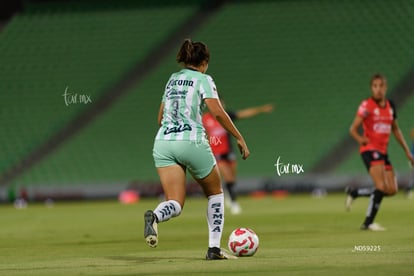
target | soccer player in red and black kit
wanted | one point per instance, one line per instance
(378, 117)
(220, 142)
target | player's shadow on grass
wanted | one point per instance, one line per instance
(151, 259)
(88, 242)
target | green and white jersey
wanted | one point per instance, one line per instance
(183, 104)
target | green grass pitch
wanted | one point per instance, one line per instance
(299, 235)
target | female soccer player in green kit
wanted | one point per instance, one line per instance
(181, 145)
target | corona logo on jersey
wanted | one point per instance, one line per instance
(175, 82)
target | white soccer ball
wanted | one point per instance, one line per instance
(243, 242)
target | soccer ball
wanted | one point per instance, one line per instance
(243, 242)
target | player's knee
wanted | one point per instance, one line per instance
(391, 191)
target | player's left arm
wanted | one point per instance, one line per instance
(160, 113)
(400, 138)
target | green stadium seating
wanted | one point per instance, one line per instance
(86, 49)
(313, 60)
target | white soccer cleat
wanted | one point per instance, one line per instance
(349, 199)
(375, 227)
(348, 203)
(235, 208)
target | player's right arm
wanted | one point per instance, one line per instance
(253, 111)
(354, 131)
(223, 118)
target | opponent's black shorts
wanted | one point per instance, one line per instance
(373, 157)
(229, 157)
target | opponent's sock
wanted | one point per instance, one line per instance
(230, 189)
(373, 207)
(166, 210)
(215, 219)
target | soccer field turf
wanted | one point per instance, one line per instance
(299, 235)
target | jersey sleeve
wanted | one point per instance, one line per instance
(363, 109)
(208, 88)
(394, 110)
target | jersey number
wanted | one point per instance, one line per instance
(175, 111)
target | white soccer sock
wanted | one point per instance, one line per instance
(167, 209)
(215, 219)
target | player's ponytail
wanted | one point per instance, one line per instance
(185, 52)
(193, 53)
